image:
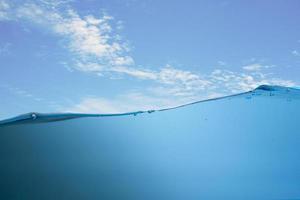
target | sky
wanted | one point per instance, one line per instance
(112, 56)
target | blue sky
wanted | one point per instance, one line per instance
(127, 55)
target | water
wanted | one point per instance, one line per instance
(245, 146)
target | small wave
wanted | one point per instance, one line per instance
(263, 90)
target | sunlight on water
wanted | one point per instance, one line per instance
(245, 146)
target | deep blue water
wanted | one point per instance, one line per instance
(245, 146)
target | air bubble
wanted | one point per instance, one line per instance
(33, 116)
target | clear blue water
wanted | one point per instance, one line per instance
(245, 146)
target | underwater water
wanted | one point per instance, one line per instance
(245, 146)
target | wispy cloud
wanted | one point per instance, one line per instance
(55, 3)
(5, 49)
(183, 82)
(233, 82)
(133, 101)
(20, 92)
(183, 87)
(296, 53)
(255, 67)
(90, 39)
(4, 8)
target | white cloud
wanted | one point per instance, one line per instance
(167, 75)
(55, 3)
(121, 61)
(5, 49)
(176, 88)
(222, 63)
(4, 8)
(20, 92)
(170, 75)
(88, 36)
(90, 39)
(96, 105)
(296, 53)
(177, 81)
(137, 73)
(129, 102)
(233, 82)
(255, 67)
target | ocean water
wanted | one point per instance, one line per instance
(245, 146)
